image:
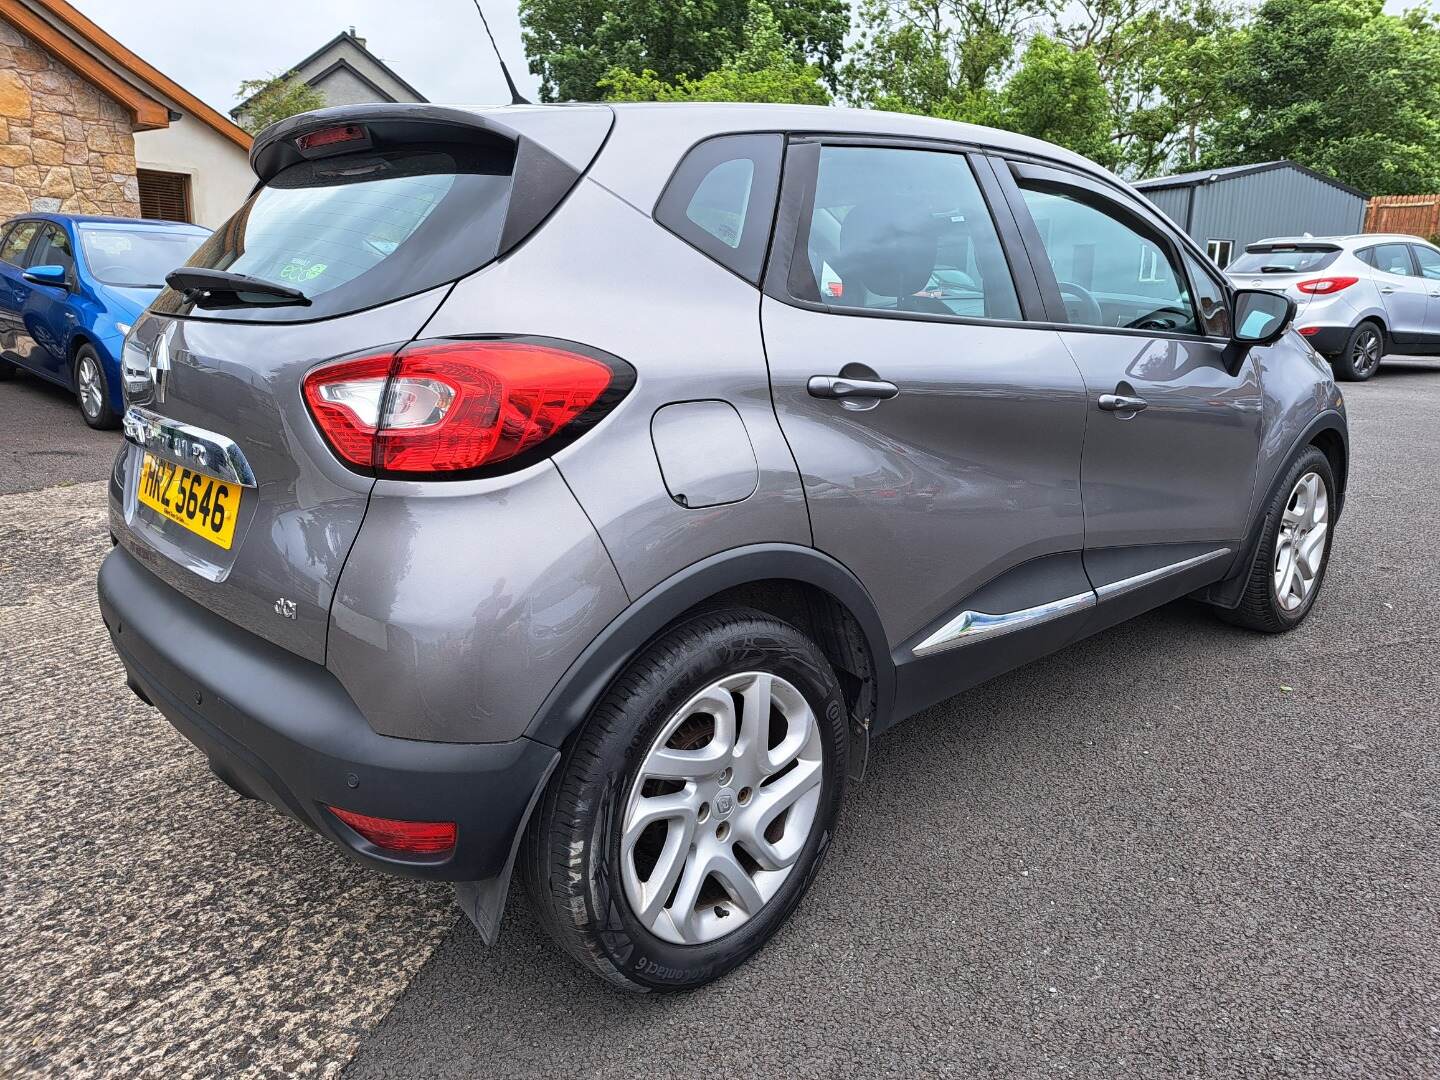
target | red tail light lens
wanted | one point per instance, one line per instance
(406, 837)
(1323, 285)
(455, 407)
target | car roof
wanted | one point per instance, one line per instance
(101, 219)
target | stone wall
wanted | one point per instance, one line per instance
(64, 145)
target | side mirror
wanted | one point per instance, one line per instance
(1261, 317)
(55, 276)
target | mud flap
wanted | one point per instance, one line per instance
(483, 902)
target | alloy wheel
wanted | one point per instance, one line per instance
(87, 378)
(1366, 357)
(721, 808)
(1300, 547)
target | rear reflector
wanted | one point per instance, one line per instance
(1309, 331)
(406, 837)
(450, 408)
(1322, 285)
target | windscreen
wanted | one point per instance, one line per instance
(136, 258)
(1282, 261)
(357, 230)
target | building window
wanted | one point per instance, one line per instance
(164, 195)
(1219, 251)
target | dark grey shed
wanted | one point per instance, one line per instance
(1225, 209)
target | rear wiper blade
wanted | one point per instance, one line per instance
(224, 288)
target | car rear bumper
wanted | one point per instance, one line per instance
(1327, 340)
(282, 729)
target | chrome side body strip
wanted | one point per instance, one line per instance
(1139, 581)
(971, 626)
(187, 445)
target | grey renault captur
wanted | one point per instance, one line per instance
(576, 490)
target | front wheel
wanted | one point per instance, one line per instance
(1294, 549)
(90, 391)
(1361, 357)
(690, 815)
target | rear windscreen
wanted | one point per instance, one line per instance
(1282, 261)
(358, 230)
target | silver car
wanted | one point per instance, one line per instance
(577, 490)
(1357, 298)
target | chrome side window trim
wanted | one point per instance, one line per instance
(971, 626)
(1139, 581)
(188, 445)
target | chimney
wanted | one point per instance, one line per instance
(358, 40)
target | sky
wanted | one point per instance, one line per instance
(209, 47)
(438, 46)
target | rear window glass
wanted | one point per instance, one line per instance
(358, 230)
(136, 258)
(1282, 261)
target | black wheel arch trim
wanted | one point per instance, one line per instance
(1229, 591)
(569, 703)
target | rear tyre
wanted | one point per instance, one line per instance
(1361, 356)
(1294, 550)
(90, 390)
(690, 814)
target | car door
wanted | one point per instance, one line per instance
(1405, 294)
(1174, 411)
(937, 433)
(1427, 261)
(15, 342)
(47, 312)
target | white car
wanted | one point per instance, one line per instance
(1357, 298)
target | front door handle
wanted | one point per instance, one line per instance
(840, 388)
(1122, 403)
(1387, 289)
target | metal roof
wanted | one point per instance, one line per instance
(1229, 172)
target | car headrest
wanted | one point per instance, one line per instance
(888, 249)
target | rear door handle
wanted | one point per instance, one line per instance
(1122, 403)
(840, 388)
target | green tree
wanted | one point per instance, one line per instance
(936, 57)
(1164, 66)
(765, 69)
(1056, 95)
(574, 44)
(1341, 87)
(275, 98)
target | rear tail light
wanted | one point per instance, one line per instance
(345, 133)
(1322, 285)
(404, 837)
(453, 408)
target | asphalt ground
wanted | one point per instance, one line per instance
(1176, 849)
(43, 440)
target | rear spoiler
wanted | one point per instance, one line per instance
(1263, 247)
(554, 145)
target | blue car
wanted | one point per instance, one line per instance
(70, 287)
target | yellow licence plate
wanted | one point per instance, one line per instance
(204, 505)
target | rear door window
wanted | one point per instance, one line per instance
(13, 249)
(361, 229)
(721, 200)
(1391, 259)
(902, 230)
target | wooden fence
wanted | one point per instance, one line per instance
(1418, 215)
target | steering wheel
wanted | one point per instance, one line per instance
(1151, 320)
(1091, 315)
